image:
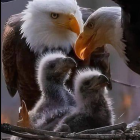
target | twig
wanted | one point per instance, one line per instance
(36, 137)
(5, 138)
(76, 136)
(132, 135)
(28, 136)
(7, 127)
(41, 134)
(96, 136)
(121, 126)
(73, 136)
(128, 85)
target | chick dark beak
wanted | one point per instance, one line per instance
(102, 81)
(70, 63)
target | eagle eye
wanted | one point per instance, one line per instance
(90, 25)
(54, 15)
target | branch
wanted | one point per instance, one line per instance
(133, 135)
(5, 138)
(96, 136)
(74, 135)
(28, 136)
(36, 137)
(8, 128)
(128, 85)
(121, 126)
(42, 134)
(77, 137)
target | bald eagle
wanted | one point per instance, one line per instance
(43, 26)
(118, 26)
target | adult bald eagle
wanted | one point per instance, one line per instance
(44, 25)
(118, 26)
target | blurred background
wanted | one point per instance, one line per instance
(125, 99)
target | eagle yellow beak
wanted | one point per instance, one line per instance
(83, 47)
(73, 25)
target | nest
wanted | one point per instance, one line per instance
(104, 133)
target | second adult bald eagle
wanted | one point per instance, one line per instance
(118, 26)
(43, 26)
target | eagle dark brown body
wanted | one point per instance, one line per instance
(19, 62)
(130, 20)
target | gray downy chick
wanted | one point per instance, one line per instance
(56, 101)
(94, 107)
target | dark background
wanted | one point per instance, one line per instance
(126, 100)
(6, 0)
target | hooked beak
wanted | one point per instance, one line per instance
(73, 25)
(67, 64)
(102, 81)
(84, 46)
(70, 62)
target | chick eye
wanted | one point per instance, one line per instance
(52, 66)
(54, 15)
(90, 25)
(86, 83)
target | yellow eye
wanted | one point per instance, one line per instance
(90, 25)
(54, 15)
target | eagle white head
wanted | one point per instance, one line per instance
(102, 27)
(51, 24)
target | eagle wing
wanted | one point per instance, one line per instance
(9, 44)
